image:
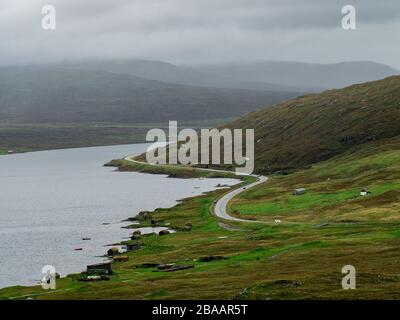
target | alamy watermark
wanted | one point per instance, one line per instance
(187, 148)
(49, 279)
(49, 17)
(349, 21)
(349, 280)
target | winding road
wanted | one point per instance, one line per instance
(220, 207)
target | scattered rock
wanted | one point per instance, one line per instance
(94, 278)
(172, 267)
(121, 259)
(177, 268)
(135, 236)
(113, 251)
(165, 266)
(132, 246)
(211, 258)
(187, 226)
(147, 265)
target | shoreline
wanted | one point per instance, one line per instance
(143, 223)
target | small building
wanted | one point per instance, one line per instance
(99, 268)
(364, 192)
(299, 191)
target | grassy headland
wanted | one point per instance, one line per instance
(173, 171)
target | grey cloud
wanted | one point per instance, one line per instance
(186, 31)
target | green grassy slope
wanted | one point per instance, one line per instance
(333, 189)
(308, 129)
(301, 258)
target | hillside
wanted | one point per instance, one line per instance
(59, 95)
(311, 128)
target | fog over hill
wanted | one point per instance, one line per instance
(50, 94)
(269, 75)
(303, 75)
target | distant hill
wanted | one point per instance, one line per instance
(51, 94)
(315, 127)
(168, 72)
(302, 75)
(268, 75)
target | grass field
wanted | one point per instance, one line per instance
(333, 190)
(327, 228)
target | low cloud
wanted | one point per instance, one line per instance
(199, 31)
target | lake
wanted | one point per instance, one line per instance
(51, 200)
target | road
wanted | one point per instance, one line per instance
(220, 207)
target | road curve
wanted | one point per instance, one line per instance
(221, 205)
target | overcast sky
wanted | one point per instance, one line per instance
(200, 31)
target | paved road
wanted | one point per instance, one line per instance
(220, 207)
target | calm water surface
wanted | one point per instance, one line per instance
(50, 200)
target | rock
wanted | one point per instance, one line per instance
(147, 265)
(121, 259)
(165, 266)
(211, 258)
(113, 251)
(163, 232)
(132, 246)
(176, 268)
(136, 236)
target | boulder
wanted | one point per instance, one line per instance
(135, 236)
(113, 251)
(211, 258)
(189, 224)
(121, 259)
